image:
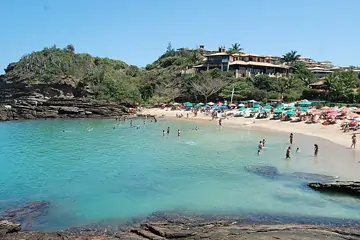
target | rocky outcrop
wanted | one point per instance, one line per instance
(207, 230)
(342, 187)
(66, 98)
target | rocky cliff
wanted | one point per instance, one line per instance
(64, 98)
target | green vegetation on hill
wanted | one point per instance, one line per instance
(171, 78)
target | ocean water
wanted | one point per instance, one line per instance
(126, 172)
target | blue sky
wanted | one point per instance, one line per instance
(138, 31)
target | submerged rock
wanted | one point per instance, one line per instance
(313, 177)
(266, 171)
(26, 213)
(344, 187)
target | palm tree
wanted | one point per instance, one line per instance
(235, 48)
(291, 57)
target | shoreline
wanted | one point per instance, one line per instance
(330, 133)
(172, 225)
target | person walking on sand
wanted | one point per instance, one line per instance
(316, 150)
(220, 122)
(288, 153)
(291, 138)
(353, 141)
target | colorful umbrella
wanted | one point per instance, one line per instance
(210, 103)
(290, 112)
(305, 103)
(188, 104)
(304, 109)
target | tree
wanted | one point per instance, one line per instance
(194, 57)
(341, 85)
(235, 48)
(265, 82)
(242, 89)
(207, 86)
(169, 48)
(291, 57)
(70, 48)
(303, 73)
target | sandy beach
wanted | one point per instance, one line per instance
(330, 132)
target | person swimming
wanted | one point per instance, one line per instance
(298, 149)
(288, 153)
(258, 152)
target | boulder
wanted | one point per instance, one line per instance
(68, 110)
(343, 187)
(8, 227)
(26, 211)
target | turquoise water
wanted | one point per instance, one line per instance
(127, 172)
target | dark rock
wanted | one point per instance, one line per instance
(8, 227)
(266, 171)
(342, 187)
(27, 211)
(68, 110)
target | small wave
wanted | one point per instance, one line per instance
(190, 143)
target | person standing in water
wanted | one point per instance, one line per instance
(163, 133)
(261, 145)
(353, 141)
(288, 153)
(131, 125)
(168, 130)
(316, 150)
(291, 138)
(263, 142)
(259, 152)
(179, 132)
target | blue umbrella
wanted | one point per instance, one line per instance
(242, 109)
(207, 106)
(305, 103)
(188, 104)
(290, 112)
(304, 109)
(223, 107)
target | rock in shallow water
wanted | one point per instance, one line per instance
(344, 187)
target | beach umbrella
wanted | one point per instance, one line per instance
(290, 112)
(306, 103)
(206, 106)
(344, 109)
(188, 104)
(223, 107)
(176, 104)
(257, 105)
(352, 115)
(233, 105)
(198, 105)
(210, 103)
(290, 107)
(279, 106)
(242, 109)
(278, 111)
(267, 107)
(241, 105)
(254, 109)
(265, 110)
(304, 109)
